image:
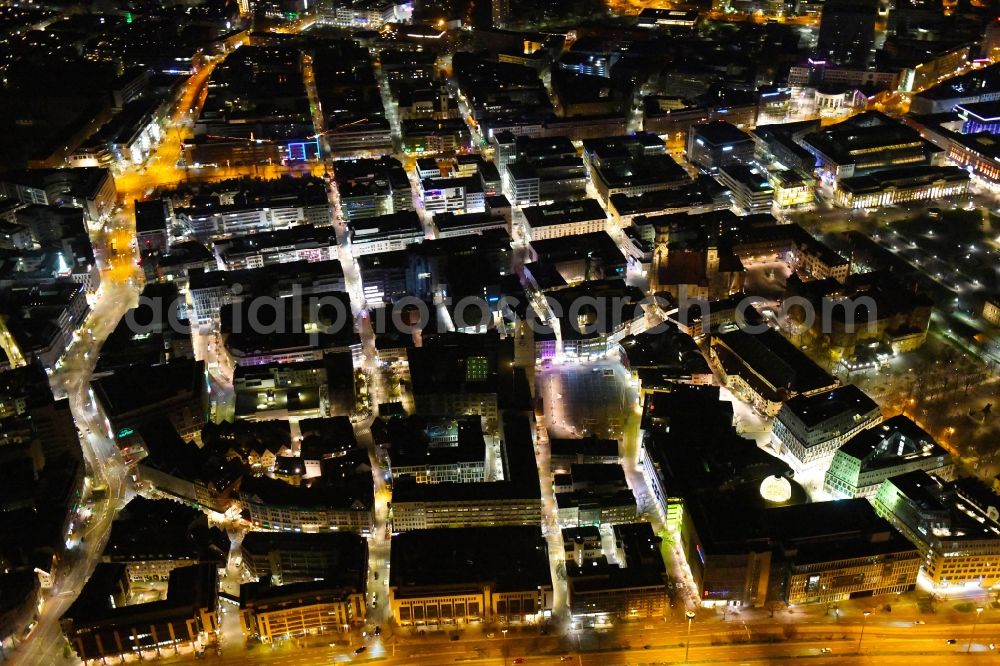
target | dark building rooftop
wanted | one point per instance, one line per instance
(721, 133)
(667, 349)
(507, 558)
(849, 141)
(890, 443)
(815, 409)
(418, 441)
(164, 530)
(704, 192)
(587, 446)
(774, 359)
(581, 246)
(190, 589)
(136, 388)
(563, 212)
(344, 554)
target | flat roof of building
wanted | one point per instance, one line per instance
(419, 441)
(476, 245)
(163, 529)
(586, 446)
(544, 275)
(987, 112)
(598, 474)
(669, 13)
(643, 170)
(753, 180)
(581, 533)
(971, 84)
(786, 178)
(520, 473)
(262, 597)
(135, 388)
(814, 410)
(596, 244)
(721, 133)
(984, 143)
(354, 492)
(81, 182)
(892, 442)
(772, 357)
(507, 558)
(903, 178)
(190, 589)
(593, 499)
(150, 216)
(392, 260)
(563, 212)
(346, 553)
(848, 142)
(669, 348)
(450, 221)
(922, 489)
(292, 236)
(613, 146)
(406, 221)
(700, 193)
(266, 277)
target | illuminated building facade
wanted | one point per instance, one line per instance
(810, 429)
(866, 143)
(884, 188)
(565, 218)
(751, 189)
(979, 154)
(714, 145)
(633, 588)
(270, 614)
(100, 624)
(792, 188)
(894, 447)
(888, 569)
(991, 311)
(953, 524)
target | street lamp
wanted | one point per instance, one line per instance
(979, 614)
(861, 637)
(687, 643)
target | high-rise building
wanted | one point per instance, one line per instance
(504, 149)
(990, 46)
(499, 12)
(847, 32)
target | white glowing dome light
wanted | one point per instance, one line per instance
(776, 489)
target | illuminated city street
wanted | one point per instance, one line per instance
(756, 425)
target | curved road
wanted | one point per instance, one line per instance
(45, 644)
